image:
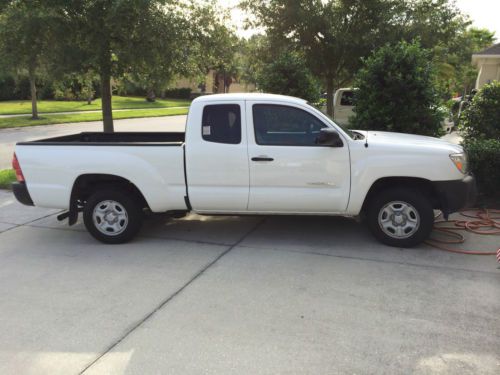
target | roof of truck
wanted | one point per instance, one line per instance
(248, 96)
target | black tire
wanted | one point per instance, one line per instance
(420, 211)
(128, 226)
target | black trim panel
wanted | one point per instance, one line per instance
(113, 139)
(456, 194)
(22, 194)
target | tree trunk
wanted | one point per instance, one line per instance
(151, 97)
(107, 109)
(34, 106)
(329, 97)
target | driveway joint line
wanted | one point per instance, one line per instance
(30, 222)
(171, 297)
(428, 266)
(171, 238)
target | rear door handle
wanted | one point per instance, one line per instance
(262, 158)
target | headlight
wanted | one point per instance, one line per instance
(460, 161)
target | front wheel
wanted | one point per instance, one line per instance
(400, 217)
(112, 217)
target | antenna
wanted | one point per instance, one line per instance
(366, 139)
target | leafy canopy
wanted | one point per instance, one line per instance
(396, 91)
(289, 75)
(335, 35)
(481, 119)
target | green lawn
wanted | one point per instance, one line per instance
(15, 107)
(7, 176)
(14, 122)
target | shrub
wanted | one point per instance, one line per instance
(289, 75)
(396, 92)
(181, 93)
(484, 161)
(481, 119)
(7, 88)
(7, 177)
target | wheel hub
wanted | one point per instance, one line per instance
(110, 217)
(399, 219)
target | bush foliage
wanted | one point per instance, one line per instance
(480, 126)
(484, 160)
(396, 92)
(481, 119)
(180, 93)
(289, 75)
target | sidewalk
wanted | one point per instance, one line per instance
(93, 111)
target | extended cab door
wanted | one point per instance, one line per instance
(217, 157)
(289, 172)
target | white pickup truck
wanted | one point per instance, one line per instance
(247, 154)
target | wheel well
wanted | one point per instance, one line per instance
(423, 185)
(86, 184)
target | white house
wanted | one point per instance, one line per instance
(488, 64)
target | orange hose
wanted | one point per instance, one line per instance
(485, 222)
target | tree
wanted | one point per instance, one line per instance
(481, 119)
(335, 34)
(256, 52)
(114, 37)
(216, 46)
(24, 36)
(289, 75)
(396, 91)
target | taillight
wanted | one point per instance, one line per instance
(17, 169)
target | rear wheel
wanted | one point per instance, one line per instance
(400, 217)
(112, 216)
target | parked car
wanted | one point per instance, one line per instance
(247, 154)
(343, 105)
(343, 108)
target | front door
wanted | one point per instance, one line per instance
(289, 173)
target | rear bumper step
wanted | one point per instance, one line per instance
(21, 193)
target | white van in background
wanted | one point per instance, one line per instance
(343, 109)
(343, 106)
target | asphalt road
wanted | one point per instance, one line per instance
(248, 295)
(9, 137)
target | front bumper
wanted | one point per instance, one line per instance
(22, 194)
(456, 194)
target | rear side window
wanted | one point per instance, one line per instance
(347, 98)
(221, 123)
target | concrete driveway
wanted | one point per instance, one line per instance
(9, 137)
(251, 295)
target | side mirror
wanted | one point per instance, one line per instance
(329, 137)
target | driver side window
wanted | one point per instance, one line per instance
(280, 125)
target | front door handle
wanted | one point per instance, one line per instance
(262, 158)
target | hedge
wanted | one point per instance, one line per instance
(484, 161)
(181, 93)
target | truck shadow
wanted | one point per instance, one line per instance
(271, 231)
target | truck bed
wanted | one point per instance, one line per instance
(113, 139)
